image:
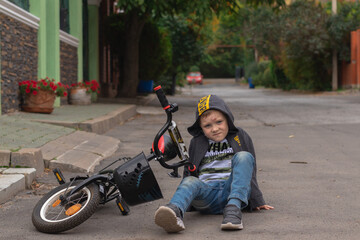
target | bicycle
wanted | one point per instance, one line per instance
(131, 183)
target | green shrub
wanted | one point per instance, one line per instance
(261, 73)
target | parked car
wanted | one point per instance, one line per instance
(194, 78)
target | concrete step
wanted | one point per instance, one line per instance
(79, 151)
(14, 180)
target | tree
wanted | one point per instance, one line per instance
(137, 12)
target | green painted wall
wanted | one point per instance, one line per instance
(93, 11)
(0, 74)
(48, 38)
(75, 17)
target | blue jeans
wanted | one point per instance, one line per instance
(212, 197)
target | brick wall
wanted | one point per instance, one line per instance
(19, 60)
(68, 65)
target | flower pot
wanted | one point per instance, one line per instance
(79, 96)
(42, 102)
(94, 97)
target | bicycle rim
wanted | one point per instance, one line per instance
(51, 211)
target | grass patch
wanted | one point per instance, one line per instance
(15, 149)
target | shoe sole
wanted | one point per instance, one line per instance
(166, 218)
(230, 226)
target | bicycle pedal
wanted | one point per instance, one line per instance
(59, 177)
(124, 209)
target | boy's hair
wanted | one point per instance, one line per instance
(208, 112)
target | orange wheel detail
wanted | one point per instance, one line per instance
(73, 209)
(56, 203)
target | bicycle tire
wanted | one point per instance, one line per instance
(48, 218)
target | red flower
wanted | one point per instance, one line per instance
(35, 92)
(27, 90)
(65, 94)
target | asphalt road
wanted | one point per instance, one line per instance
(307, 148)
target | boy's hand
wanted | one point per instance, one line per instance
(266, 207)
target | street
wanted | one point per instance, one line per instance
(307, 148)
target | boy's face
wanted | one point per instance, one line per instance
(214, 125)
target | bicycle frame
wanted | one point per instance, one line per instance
(108, 187)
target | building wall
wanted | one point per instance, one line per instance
(39, 49)
(94, 56)
(76, 25)
(68, 65)
(19, 55)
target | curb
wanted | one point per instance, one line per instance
(100, 124)
(15, 180)
(79, 151)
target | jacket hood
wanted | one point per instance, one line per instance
(211, 102)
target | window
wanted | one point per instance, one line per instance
(64, 16)
(24, 4)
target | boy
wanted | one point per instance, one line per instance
(224, 180)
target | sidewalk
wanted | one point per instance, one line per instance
(68, 138)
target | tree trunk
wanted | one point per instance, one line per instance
(131, 55)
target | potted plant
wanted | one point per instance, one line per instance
(39, 96)
(83, 93)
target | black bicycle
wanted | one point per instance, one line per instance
(131, 183)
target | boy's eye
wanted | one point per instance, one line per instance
(207, 126)
(219, 122)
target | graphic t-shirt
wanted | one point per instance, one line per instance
(216, 164)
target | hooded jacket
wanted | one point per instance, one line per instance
(238, 139)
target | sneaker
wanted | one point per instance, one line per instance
(232, 218)
(169, 217)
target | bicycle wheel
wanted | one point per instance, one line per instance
(50, 216)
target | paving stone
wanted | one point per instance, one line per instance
(29, 174)
(29, 157)
(76, 161)
(102, 145)
(5, 157)
(10, 185)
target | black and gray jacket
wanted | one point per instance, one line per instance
(237, 138)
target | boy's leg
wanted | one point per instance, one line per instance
(170, 216)
(239, 188)
(189, 189)
(239, 182)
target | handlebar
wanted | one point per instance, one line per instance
(162, 98)
(169, 109)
